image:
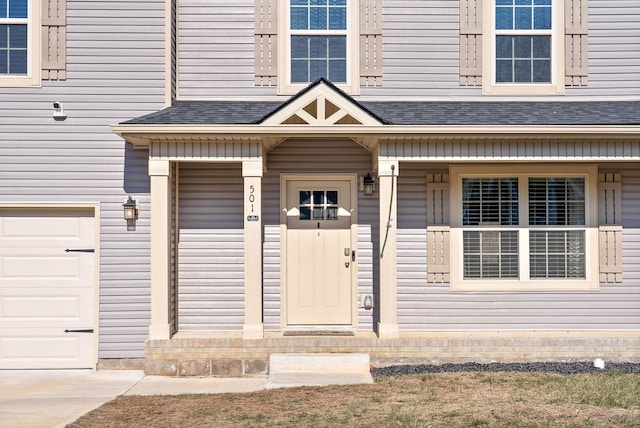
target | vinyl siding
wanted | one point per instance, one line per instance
(427, 307)
(420, 50)
(311, 156)
(115, 71)
(211, 247)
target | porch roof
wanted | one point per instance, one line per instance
(322, 109)
(414, 113)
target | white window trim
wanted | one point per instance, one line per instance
(285, 87)
(590, 174)
(489, 84)
(33, 51)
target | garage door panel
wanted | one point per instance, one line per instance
(45, 290)
(65, 308)
(24, 349)
(37, 269)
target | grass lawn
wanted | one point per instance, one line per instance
(429, 400)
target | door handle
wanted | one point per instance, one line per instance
(346, 264)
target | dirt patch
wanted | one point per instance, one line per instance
(431, 400)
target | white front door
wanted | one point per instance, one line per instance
(319, 252)
(47, 286)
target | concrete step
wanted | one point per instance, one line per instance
(292, 370)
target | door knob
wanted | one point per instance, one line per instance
(346, 264)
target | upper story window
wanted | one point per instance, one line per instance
(524, 39)
(14, 25)
(19, 43)
(320, 41)
(318, 31)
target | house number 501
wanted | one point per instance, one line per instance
(252, 196)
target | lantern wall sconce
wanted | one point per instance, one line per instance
(131, 213)
(367, 184)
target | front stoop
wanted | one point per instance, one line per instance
(292, 370)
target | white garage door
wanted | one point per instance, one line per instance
(47, 292)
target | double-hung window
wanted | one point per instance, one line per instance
(19, 43)
(526, 47)
(524, 230)
(319, 44)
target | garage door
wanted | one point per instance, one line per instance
(47, 286)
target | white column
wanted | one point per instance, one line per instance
(388, 325)
(159, 171)
(252, 172)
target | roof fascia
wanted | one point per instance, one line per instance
(142, 135)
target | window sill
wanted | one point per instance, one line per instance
(20, 82)
(551, 285)
(520, 89)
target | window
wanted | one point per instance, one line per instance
(318, 205)
(526, 47)
(319, 42)
(19, 43)
(524, 230)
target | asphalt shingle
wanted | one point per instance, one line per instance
(414, 113)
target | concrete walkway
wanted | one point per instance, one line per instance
(55, 398)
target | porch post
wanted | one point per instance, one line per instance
(387, 174)
(159, 171)
(252, 172)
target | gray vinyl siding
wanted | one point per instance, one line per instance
(311, 156)
(271, 278)
(216, 49)
(210, 247)
(428, 307)
(115, 71)
(420, 51)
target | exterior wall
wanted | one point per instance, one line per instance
(216, 50)
(210, 247)
(316, 156)
(433, 307)
(115, 71)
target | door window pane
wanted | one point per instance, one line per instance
(318, 205)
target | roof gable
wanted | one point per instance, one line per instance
(321, 104)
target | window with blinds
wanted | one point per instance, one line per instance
(524, 229)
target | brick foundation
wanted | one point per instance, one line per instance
(237, 357)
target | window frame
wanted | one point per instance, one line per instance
(489, 84)
(33, 76)
(525, 282)
(285, 86)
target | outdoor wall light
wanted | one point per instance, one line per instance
(367, 184)
(368, 302)
(131, 213)
(58, 112)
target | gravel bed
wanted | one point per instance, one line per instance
(547, 367)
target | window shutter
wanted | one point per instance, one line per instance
(266, 42)
(370, 42)
(610, 231)
(470, 42)
(576, 29)
(438, 230)
(54, 39)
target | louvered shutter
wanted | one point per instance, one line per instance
(54, 39)
(470, 42)
(266, 42)
(610, 230)
(438, 229)
(576, 48)
(370, 42)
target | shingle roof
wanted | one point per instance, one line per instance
(208, 113)
(414, 113)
